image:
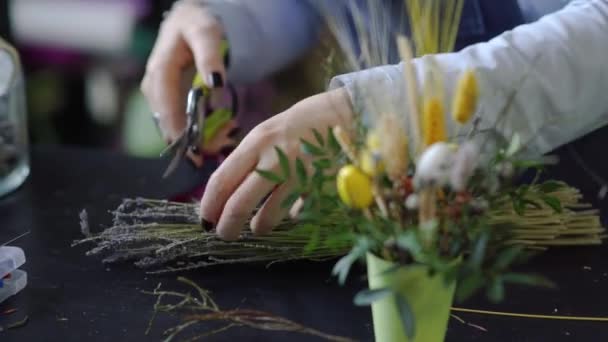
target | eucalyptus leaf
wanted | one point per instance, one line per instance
(271, 176)
(284, 162)
(469, 285)
(407, 316)
(367, 297)
(409, 242)
(342, 267)
(479, 250)
(507, 256)
(496, 290)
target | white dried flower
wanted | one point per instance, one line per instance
(465, 163)
(434, 166)
(411, 202)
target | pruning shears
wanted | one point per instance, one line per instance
(203, 118)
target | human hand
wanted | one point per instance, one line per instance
(190, 38)
(236, 189)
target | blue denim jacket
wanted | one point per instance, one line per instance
(266, 35)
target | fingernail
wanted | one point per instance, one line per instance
(235, 131)
(215, 80)
(207, 225)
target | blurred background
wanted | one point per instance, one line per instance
(83, 61)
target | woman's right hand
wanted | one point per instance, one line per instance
(190, 36)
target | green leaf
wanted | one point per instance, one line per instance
(284, 162)
(550, 186)
(318, 137)
(322, 164)
(553, 202)
(408, 241)
(529, 164)
(342, 267)
(301, 172)
(332, 142)
(289, 201)
(313, 240)
(407, 316)
(479, 250)
(367, 297)
(506, 257)
(535, 204)
(519, 206)
(391, 269)
(528, 279)
(271, 176)
(496, 290)
(311, 149)
(468, 286)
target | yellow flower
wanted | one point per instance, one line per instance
(370, 163)
(433, 121)
(372, 141)
(465, 98)
(354, 187)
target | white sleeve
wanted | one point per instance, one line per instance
(562, 59)
(265, 35)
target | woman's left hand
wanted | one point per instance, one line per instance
(236, 189)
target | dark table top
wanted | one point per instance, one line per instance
(71, 297)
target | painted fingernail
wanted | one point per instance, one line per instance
(235, 131)
(207, 225)
(215, 80)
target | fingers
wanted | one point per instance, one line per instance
(205, 41)
(189, 34)
(225, 180)
(272, 212)
(164, 96)
(241, 204)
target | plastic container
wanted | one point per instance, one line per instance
(14, 157)
(12, 280)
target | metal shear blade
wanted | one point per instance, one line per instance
(190, 136)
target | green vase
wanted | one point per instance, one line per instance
(428, 297)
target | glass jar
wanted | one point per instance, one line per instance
(14, 157)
